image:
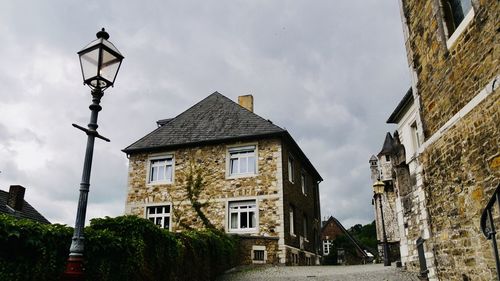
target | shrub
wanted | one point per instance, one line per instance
(125, 248)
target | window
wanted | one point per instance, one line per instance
(327, 245)
(159, 215)
(340, 256)
(454, 13)
(303, 183)
(292, 221)
(291, 169)
(304, 225)
(414, 137)
(160, 169)
(242, 216)
(242, 160)
(258, 255)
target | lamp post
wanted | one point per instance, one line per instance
(378, 190)
(100, 62)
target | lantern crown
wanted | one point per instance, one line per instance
(100, 61)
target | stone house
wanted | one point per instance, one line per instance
(453, 56)
(258, 182)
(338, 243)
(12, 203)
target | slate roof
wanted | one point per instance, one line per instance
(388, 146)
(27, 212)
(215, 119)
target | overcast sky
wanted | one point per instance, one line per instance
(330, 72)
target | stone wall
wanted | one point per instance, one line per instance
(461, 171)
(461, 132)
(449, 78)
(248, 243)
(220, 189)
(305, 205)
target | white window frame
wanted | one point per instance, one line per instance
(452, 38)
(163, 215)
(258, 248)
(150, 167)
(327, 245)
(291, 169)
(303, 182)
(232, 153)
(292, 220)
(242, 207)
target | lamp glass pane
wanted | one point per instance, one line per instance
(89, 63)
(110, 64)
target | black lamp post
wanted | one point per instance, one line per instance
(100, 62)
(378, 190)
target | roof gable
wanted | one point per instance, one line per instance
(214, 118)
(27, 212)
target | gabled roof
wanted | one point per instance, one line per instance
(215, 119)
(402, 107)
(356, 243)
(388, 146)
(27, 212)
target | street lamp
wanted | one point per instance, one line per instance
(378, 190)
(100, 62)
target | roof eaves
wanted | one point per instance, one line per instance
(401, 108)
(204, 142)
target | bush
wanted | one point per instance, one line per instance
(125, 248)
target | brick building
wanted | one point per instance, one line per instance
(338, 243)
(453, 54)
(258, 182)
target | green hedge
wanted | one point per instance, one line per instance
(124, 248)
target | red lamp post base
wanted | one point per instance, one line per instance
(74, 269)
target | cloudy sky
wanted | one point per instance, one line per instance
(330, 72)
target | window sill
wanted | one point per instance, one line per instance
(243, 231)
(239, 176)
(460, 29)
(159, 183)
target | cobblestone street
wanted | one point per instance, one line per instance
(310, 273)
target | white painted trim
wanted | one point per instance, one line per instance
(228, 160)
(255, 230)
(145, 207)
(148, 168)
(482, 95)
(460, 29)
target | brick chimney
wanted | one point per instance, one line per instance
(16, 197)
(246, 101)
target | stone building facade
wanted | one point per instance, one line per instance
(257, 181)
(453, 54)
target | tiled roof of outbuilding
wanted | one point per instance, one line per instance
(27, 212)
(214, 118)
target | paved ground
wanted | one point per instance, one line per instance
(367, 272)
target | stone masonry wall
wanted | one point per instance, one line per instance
(462, 169)
(460, 163)
(449, 78)
(220, 189)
